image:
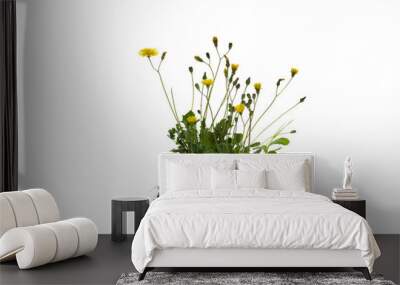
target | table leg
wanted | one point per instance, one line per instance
(118, 222)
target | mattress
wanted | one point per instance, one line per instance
(250, 219)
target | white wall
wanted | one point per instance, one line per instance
(93, 117)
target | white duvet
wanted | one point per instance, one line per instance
(251, 218)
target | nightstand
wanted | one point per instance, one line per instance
(357, 206)
(119, 207)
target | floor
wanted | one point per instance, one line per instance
(110, 260)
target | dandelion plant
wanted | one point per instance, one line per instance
(224, 123)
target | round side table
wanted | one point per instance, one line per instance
(119, 207)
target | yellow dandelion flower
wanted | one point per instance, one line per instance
(294, 71)
(240, 108)
(257, 86)
(191, 119)
(148, 52)
(234, 66)
(207, 82)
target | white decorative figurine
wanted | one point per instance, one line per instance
(348, 173)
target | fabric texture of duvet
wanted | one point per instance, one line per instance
(250, 218)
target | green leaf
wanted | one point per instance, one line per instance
(258, 150)
(255, 144)
(221, 129)
(274, 151)
(281, 141)
(237, 138)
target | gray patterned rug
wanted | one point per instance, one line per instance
(269, 278)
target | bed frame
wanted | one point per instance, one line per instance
(246, 259)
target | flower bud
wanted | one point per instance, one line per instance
(227, 63)
(204, 75)
(208, 55)
(257, 87)
(237, 86)
(302, 99)
(294, 71)
(248, 81)
(226, 72)
(197, 86)
(191, 119)
(191, 69)
(198, 58)
(163, 55)
(230, 45)
(279, 81)
(234, 67)
(215, 41)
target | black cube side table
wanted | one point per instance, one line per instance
(357, 206)
(119, 207)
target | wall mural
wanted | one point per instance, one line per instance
(224, 124)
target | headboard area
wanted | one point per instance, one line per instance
(165, 159)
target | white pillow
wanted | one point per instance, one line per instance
(251, 178)
(292, 178)
(193, 172)
(187, 177)
(282, 174)
(223, 179)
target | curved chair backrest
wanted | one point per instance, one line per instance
(27, 208)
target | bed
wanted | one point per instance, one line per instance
(246, 211)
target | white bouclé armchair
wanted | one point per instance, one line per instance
(32, 233)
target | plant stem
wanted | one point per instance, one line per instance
(209, 91)
(173, 103)
(274, 121)
(212, 71)
(165, 91)
(249, 132)
(279, 132)
(231, 101)
(234, 97)
(227, 93)
(277, 94)
(191, 75)
(201, 102)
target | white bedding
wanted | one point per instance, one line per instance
(250, 218)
